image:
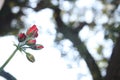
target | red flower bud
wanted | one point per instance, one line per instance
(37, 47)
(31, 42)
(21, 37)
(32, 31)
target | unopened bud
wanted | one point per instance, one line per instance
(31, 42)
(30, 57)
(37, 47)
(32, 31)
(21, 37)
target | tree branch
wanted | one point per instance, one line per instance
(43, 4)
(7, 75)
(113, 69)
(69, 33)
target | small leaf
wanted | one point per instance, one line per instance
(30, 57)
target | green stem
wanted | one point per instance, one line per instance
(7, 61)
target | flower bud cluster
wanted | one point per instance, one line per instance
(29, 39)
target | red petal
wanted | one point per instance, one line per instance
(40, 47)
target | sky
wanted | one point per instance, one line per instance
(49, 64)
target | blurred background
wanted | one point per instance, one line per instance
(80, 38)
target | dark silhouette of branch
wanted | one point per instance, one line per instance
(7, 75)
(69, 33)
(116, 4)
(80, 26)
(113, 69)
(42, 4)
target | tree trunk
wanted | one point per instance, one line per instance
(113, 70)
(72, 35)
